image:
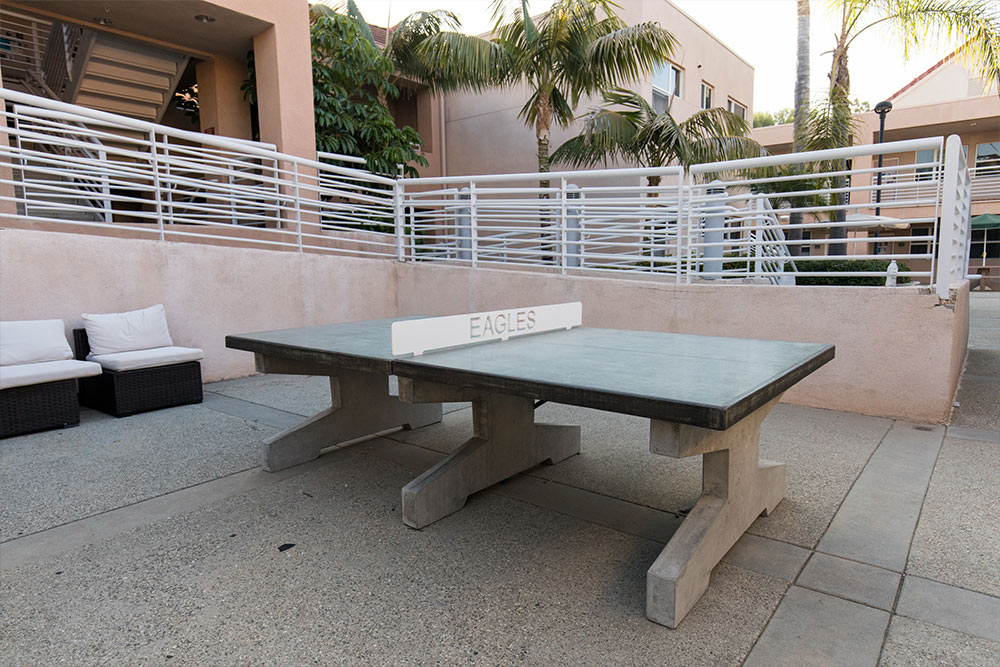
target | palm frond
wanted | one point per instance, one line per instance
(626, 54)
(463, 61)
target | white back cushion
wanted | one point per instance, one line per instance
(32, 341)
(121, 332)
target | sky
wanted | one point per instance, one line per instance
(762, 32)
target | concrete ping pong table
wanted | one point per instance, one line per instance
(703, 395)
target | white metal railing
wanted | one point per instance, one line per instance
(985, 183)
(773, 219)
(78, 168)
(23, 41)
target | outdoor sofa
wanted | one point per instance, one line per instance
(142, 369)
(38, 377)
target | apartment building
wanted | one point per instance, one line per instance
(483, 134)
(129, 58)
(946, 99)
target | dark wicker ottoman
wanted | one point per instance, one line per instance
(123, 393)
(38, 407)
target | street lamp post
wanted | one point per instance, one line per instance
(882, 108)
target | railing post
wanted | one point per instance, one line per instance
(473, 222)
(463, 227)
(298, 205)
(157, 193)
(563, 225)
(955, 217)
(714, 225)
(758, 231)
(571, 249)
(399, 219)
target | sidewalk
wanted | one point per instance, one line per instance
(156, 540)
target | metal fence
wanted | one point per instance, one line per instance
(775, 219)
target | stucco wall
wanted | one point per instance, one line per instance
(208, 291)
(899, 352)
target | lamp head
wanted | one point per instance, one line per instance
(883, 108)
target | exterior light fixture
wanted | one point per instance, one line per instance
(204, 18)
(882, 108)
(102, 20)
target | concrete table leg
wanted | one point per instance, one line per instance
(506, 441)
(736, 489)
(361, 405)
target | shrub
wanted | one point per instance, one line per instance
(847, 265)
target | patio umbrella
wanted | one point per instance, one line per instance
(984, 222)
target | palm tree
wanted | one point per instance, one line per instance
(975, 23)
(576, 48)
(801, 118)
(627, 128)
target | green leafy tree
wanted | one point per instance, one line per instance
(402, 39)
(768, 118)
(627, 128)
(351, 81)
(575, 48)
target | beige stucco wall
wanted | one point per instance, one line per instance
(208, 291)
(899, 352)
(484, 134)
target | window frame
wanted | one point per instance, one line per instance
(710, 89)
(732, 103)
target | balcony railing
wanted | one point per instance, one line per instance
(75, 169)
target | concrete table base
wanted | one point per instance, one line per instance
(506, 441)
(736, 489)
(361, 405)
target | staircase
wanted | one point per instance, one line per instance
(110, 73)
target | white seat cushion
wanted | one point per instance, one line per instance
(122, 332)
(23, 375)
(29, 341)
(161, 356)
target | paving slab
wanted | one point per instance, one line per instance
(979, 434)
(958, 538)
(983, 362)
(256, 412)
(876, 521)
(811, 628)
(911, 642)
(303, 395)
(498, 583)
(978, 401)
(950, 607)
(50, 478)
(824, 451)
(777, 559)
(850, 580)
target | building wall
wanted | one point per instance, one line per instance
(899, 352)
(484, 134)
(951, 80)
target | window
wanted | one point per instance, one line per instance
(926, 157)
(804, 249)
(988, 155)
(919, 247)
(735, 107)
(666, 84)
(706, 95)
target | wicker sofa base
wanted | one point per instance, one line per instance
(123, 393)
(38, 407)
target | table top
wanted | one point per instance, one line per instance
(705, 381)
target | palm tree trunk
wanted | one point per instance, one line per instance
(840, 92)
(543, 123)
(801, 111)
